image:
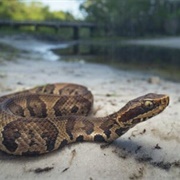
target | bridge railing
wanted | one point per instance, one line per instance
(52, 24)
(48, 23)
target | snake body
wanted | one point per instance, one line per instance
(46, 118)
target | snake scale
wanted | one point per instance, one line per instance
(46, 118)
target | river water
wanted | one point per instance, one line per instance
(149, 56)
(159, 57)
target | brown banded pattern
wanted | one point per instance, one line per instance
(45, 118)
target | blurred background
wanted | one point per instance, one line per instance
(134, 35)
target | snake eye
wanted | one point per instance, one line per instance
(148, 104)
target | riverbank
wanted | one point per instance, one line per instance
(147, 151)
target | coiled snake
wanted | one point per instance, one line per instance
(46, 118)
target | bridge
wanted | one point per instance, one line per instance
(56, 25)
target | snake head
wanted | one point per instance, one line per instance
(142, 108)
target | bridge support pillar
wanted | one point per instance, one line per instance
(56, 29)
(91, 33)
(75, 33)
(36, 27)
(76, 38)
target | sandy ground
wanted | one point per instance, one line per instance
(150, 150)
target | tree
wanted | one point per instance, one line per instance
(130, 16)
(20, 10)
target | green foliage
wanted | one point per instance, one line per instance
(129, 17)
(8, 52)
(57, 15)
(20, 10)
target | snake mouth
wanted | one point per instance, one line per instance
(143, 108)
(158, 101)
(166, 100)
(162, 100)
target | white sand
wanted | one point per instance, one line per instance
(148, 151)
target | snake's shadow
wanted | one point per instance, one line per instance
(122, 148)
(141, 153)
(119, 145)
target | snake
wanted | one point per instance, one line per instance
(48, 117)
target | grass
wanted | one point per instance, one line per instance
(8, 52)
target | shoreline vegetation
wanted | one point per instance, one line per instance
(7, 52)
